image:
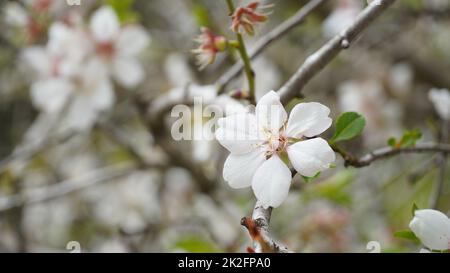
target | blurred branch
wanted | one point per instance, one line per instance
(258, 228)
(266, 40)
(318, 60)
(441, 162)
(386, 152)
(30, 150)
(65, 187)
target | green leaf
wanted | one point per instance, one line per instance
(392, 142)
(310, 178)
(406, 234)
(348, 126)
(410, 138)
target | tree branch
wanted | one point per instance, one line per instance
(258, 228)
(318, 60)
(386, 152)
(441, 162)
(268, 39)
(29, 150)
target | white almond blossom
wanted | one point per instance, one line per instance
(432, 227)
(119, 46)
(441, 101)
(258, 142)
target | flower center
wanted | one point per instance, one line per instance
(276, 143)
(106, 49)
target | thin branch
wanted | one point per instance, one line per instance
(30, 150)
(387, 152)
(266, 40)
(318, 60)
(258, 228)
(65, 187)
(441, 162)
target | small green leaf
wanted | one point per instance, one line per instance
(406, 234)
(348, 126)
(410, 138)
(310, 178)
(392, 142)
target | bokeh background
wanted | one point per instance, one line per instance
(113, 185)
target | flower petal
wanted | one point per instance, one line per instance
(128, 72)
(271, 182)
(51, 95)
(270, 113)
(38, 59)
(238, 133)
(311, 156)
(104, 24)
(308, 119)
(239, 170)
(432, 227)
(132, 40)
(101, 96)
(81, 115)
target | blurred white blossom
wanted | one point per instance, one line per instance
(343, 16)
(74, 68)
(118, 46)
(441, 101)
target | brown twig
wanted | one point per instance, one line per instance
(258, 228)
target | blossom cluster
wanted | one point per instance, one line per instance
(76, 69)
